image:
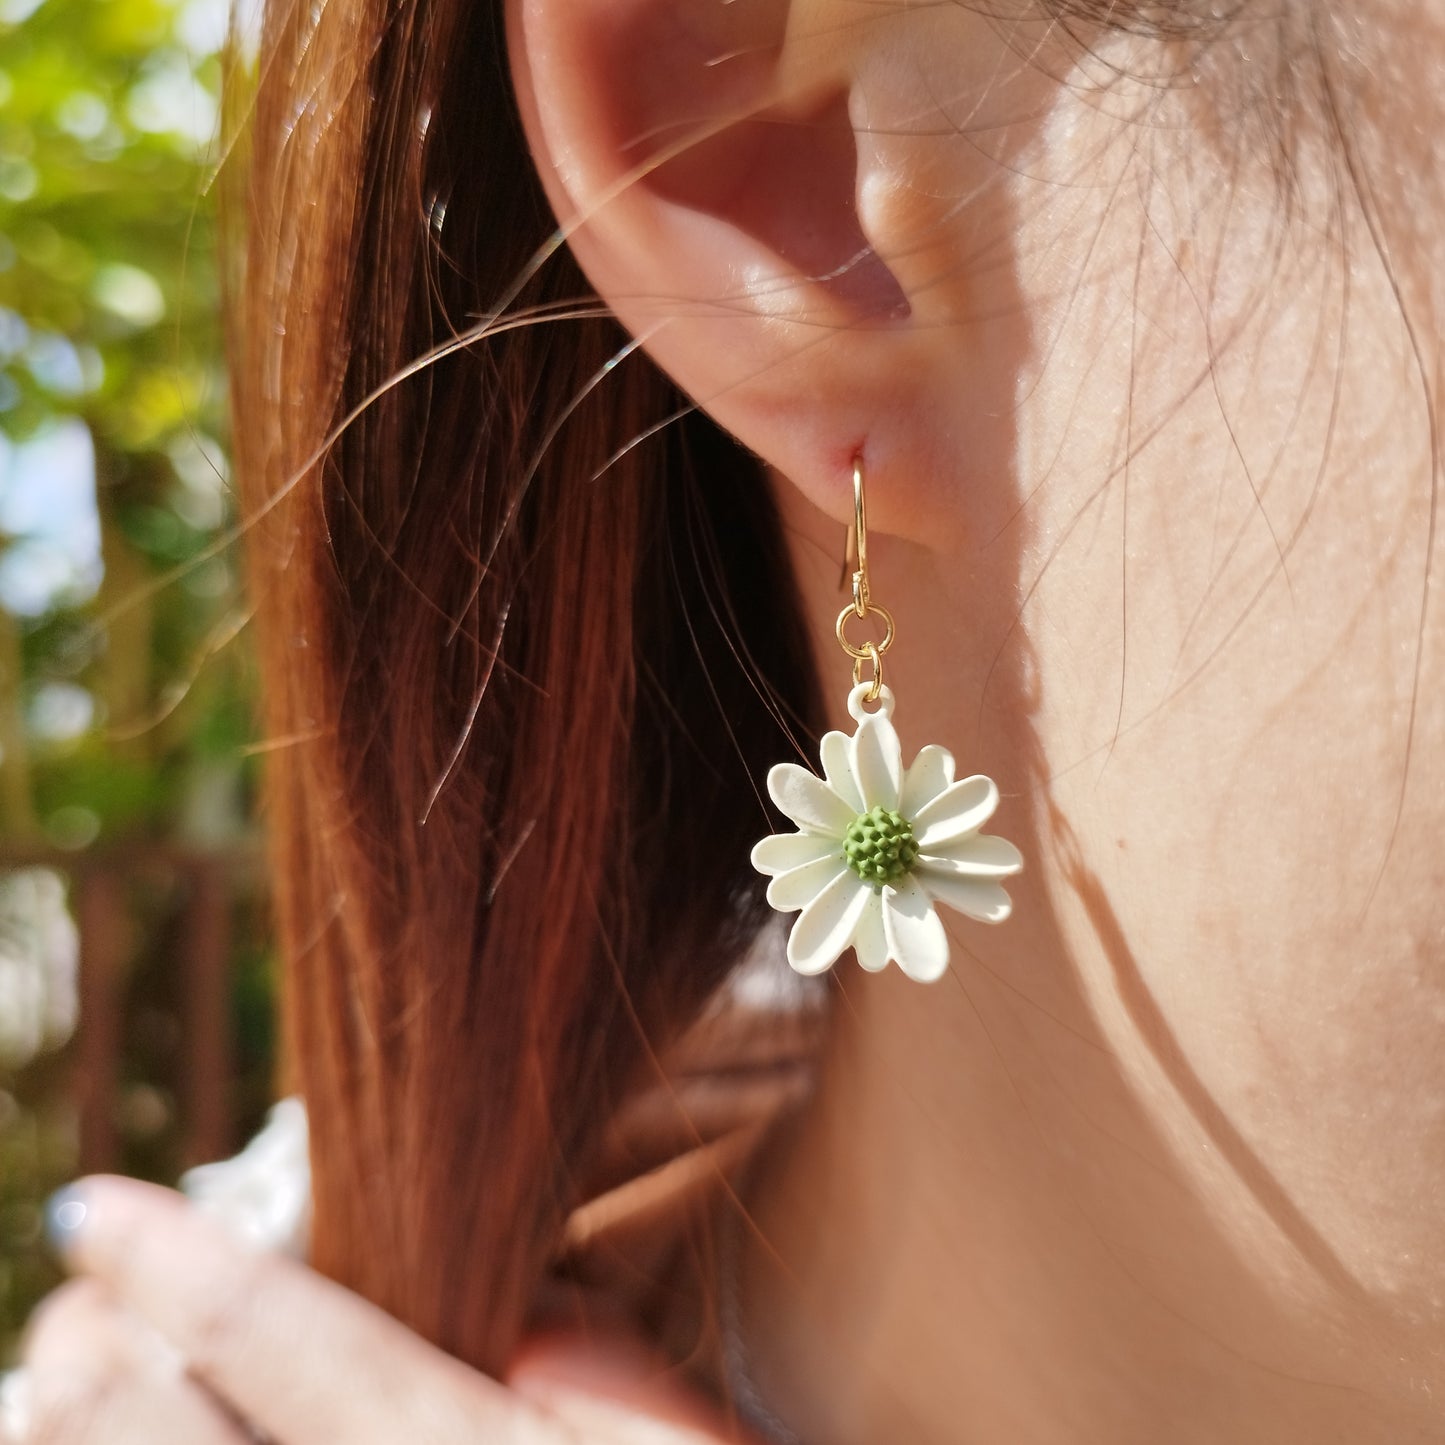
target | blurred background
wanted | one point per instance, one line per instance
(135, 978)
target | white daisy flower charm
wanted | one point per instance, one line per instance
(878, 847)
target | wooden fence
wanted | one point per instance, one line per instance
(101, 881)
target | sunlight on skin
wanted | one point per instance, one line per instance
(1141, 1170)
(1150, 469)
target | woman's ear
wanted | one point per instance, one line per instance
(740, 181)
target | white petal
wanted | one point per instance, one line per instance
(780, 852)
(977, 855)
(870, 942)
(836, 754)
(877, 762)
(962, 808)
(931, 772)
(916, 939)
(809, 801)
(979, 898)
(825, 927)
(800, 886)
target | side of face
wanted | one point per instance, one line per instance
(1141, 338)
(1230, 626)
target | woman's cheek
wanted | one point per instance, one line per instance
(1243, 856)
(1237, 668)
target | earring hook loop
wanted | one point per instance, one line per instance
(857, 545)
(856, 560)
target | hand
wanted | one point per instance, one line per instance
(173, 1332)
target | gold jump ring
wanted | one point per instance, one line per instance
(858, 651)
(870, 654)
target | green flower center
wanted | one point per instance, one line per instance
(879, 846)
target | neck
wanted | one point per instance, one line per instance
(999, 1261)
(1011, 1213)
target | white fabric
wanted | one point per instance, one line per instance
(264, 1193)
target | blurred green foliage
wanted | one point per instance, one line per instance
(124, 679)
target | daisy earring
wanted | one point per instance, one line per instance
(878, 846)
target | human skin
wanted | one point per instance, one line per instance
(1149, 461)
(175, 1333)
(1150, 477)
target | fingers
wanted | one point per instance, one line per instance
(97, 1376)
(15, 1409)
(305, 1360)
(312, 1364)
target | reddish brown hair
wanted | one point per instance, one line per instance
(519, 672)
(528, 636)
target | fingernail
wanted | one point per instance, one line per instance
(65, 1213)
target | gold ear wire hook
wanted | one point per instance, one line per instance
(856, 558)
(855, 549)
